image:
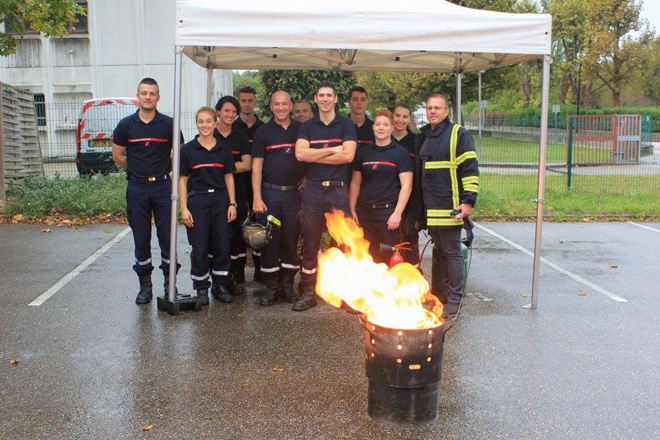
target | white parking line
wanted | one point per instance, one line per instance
(68, 277)
(644, 226)
(577, 278)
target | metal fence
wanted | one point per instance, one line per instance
(508, 150)
(57, 127)
(595, 153)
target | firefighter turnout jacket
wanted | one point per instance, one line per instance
(449, 171)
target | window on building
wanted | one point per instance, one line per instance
(40, 109)
(80, 27)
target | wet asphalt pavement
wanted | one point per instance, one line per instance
(94, 365)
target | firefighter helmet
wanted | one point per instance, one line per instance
(257, 235)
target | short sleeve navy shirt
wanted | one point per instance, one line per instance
(380, 168)
(319, 135)
(276, 145)
(365, 133)
(240, 146)
(148, 145)
(206, 169)
(250, 131)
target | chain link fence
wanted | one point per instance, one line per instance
(57, 126)
(594, 154)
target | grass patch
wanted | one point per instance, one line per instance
(496, 150)
(79, 197)
(511, 196)
(502, 197)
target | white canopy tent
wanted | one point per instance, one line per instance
(352, 35)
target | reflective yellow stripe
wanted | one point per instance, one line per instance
(465, 156)
(439, 164)
(471, 188)
(453, 143)
(444, 222)
(438, 212)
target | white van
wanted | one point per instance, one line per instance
(98, 119)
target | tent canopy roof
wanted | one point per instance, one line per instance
(352, 35)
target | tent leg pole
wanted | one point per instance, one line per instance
(176, 144)
(459, 97)
(209, 87)
(541, 179)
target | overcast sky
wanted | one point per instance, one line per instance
(651, 12)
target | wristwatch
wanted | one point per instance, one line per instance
(234, 204)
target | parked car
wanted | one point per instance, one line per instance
(98, 119)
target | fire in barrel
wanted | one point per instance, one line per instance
(403, 321)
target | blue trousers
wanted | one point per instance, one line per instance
(211, 234)
(144, 199)
(448, 242)
(281, 250)
(316, 201)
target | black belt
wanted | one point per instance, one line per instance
(279, 187)
(326, 182)
(201, 191)
(149, 179)
(383, 206)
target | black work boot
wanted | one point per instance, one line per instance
(203, 295)
(146, 293)
(258, 276)
(270, 296)
(220, 292)
(450, 310)
(287, 291)
(306, 301)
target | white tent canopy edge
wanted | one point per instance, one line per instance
(353, 35)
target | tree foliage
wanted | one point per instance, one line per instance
(599, 45)
(50, 17)
(301, 84)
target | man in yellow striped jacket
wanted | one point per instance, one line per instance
(449, 175)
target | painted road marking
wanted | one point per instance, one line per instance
(644, 226)
(71, 275)
(577, 278)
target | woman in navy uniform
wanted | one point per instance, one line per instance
(227, 110)
(208, 206)
(412, 219)
(380, 186)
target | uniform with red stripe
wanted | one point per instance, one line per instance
(240, 145)
(148, 150)
(280, 177)
(318, 199)
(379, 191)
(208, 202)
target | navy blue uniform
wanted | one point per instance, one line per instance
(325, 189)
(365, 137)
(280, 177)
(379, 192)
(240, 145)
(247, 178)
(208, 202)
(449, 173)
(148, 150)
(410, 226)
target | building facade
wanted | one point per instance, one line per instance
(107, 53)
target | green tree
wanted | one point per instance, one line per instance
(615, 52)
(300, 84)
(50, 17)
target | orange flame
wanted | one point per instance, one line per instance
(390, 297)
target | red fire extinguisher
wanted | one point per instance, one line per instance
(396, 256)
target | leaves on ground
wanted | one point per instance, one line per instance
(13, 362)
(278, 370)
(147, 428)
(582, 293)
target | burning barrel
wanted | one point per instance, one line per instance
(404, 368)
